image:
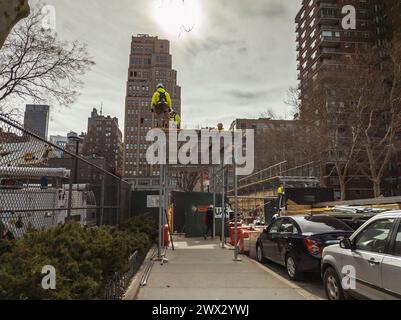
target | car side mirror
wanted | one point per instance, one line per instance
(346, 243)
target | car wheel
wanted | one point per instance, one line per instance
(259, 253)
(292, 268)
(332, 285)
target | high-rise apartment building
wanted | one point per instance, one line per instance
(323, 46)
(36, 119)
(322, 41)
(104, 139)
(150, 63)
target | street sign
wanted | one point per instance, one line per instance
(153, 202)
(218, 213)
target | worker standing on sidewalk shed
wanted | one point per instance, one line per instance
(175, 119)
(162, 105)
(281, 197)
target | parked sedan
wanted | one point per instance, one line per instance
(368, 264)
(297, 242)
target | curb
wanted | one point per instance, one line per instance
(304, 293)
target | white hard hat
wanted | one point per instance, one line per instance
(160, 85)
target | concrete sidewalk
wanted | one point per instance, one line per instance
(202, 270)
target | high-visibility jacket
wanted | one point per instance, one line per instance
(176, 119)
(280, 190)
(156, 98)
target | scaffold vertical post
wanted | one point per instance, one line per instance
(159, 247)
(236, 214)
(223, 207)
(165, 213)
(214, 203)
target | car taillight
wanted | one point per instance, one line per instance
(313, 247)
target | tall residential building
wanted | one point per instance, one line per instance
(322, 45)
(321, 40)
(104, 139)
(150, 63)
(37, 119)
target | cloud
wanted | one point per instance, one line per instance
(246, 95)
(242, 61)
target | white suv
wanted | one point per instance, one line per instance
(368, 265)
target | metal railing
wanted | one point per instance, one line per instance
(278, 171)
(117, 286)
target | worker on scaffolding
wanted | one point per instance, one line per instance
(175, 119)
(281, 197)
(162, 105)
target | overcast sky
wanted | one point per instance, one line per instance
(239, 60)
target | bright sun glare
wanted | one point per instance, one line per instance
(177, 17)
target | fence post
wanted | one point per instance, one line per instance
(102, 199)
(69, 200)
(74, 160)
(118, 202)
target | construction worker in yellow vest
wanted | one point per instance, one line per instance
(161, 105)
(175, 119)
(281, 197)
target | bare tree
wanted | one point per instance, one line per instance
(188, 179)
(381, 125)
(11, 12)
(336, 109)
(293, 100)
(352, 118)
(36, 65)
(270, 113)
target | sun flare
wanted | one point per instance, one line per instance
(178, 17)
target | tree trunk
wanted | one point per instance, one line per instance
(376, 188)
(11, 12)
(342, 188)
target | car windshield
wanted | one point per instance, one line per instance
(321, 224)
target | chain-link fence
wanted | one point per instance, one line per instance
(43, 185)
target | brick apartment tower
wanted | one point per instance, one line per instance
(104, 139)
(321, 44)
(321, 40)
(150, 63)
